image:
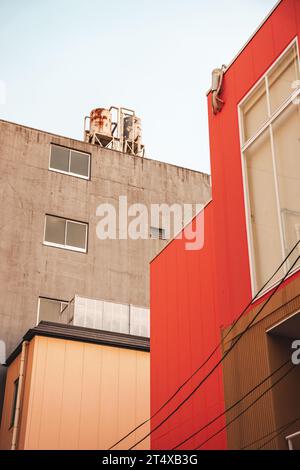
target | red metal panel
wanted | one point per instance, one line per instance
(182, 333)
(194, 293)
(297, 13)
(284, 25)
(263, 42)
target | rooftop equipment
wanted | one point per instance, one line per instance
(115, 128)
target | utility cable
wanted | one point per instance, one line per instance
(232, 406)
(278, 432)
(246, 409)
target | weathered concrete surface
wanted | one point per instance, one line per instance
(111, 270)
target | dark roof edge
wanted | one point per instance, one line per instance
(86, 335)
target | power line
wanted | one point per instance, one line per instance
(220, 361)
(210, 355)
(278, 431)
(232, 406)
(221, 414)
(246, 409)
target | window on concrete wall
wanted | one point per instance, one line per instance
(158, 233)
(51, 310)
(270, 139)
(65, 233)
(72, 162)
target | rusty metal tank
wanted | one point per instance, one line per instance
(100, 121)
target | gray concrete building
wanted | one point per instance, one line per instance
(50, 188)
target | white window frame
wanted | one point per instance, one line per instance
(65, 302)
(70, 173)
(65, 246)
(244, 145)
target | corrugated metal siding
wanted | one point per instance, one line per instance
(85, 396)
(253, 359)
(181, 334)
(246, 366)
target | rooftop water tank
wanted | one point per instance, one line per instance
(132, 128)
(100, 121)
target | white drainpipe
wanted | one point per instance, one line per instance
(19, 396)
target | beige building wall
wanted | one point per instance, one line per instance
(79, 396)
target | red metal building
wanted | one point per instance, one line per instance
(196, 294)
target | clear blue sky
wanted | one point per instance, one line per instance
(61, 58)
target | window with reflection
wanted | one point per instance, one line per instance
(270, 134)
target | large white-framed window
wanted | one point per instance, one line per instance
(269, 118)
(69, 161)
(65, 233)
